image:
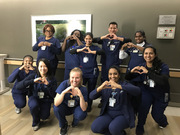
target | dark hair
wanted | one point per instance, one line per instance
(47, 63)
(115, 67)
(156, 62)
(142, 34)
(50, 26)
(90, 34)
(72, 42)
(31, 57)
(114, 23)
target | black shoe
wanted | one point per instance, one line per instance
(123, 132)
(75, 123)
(139, 130)
(100, 105)
(89, 109)
(64, 129)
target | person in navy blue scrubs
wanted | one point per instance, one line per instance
(111, 44)
(117, 112)
(18, 75)
(48, 47)
(70, 42)
(42, 87)
(134, 50)
(136, 57)
(71, 98)
(87, 57)
(153, 77)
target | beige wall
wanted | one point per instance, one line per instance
(131, 15)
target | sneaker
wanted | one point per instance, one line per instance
(161, 127)
(18, 110)
(64, 129)
(35, 128)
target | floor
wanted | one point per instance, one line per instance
(20, 124)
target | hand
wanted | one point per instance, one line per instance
(41, 80)
(31, 67)
(139, 70)
(84, 49)
(74, 37)
(107, 36)
(114, 85)
(76, 91)
(44, 80)
(41, 44)
(113, 36)
(130, 45)
(47, 43)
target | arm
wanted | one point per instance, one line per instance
(97, 40)
(29, 80)
(54, 47)
(131, 89)
(158, 79)
(13, 75)
(64, 44)
(83, 104)
(75, 51)
(39, 43)
(96, 93)
(50, 87)
(60, 97)
(130, 44)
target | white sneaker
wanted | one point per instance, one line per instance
(35, 128)
(18, 110)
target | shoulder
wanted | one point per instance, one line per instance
(164, 66)
(41, 37)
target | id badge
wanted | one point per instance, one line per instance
(43, 47)
(41, 94)
(140, 54)
(112, 47)
(135, 51)
(151, 83)
(71, 103)
(85, 59)
(112, 101)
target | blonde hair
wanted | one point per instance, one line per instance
(76, 69)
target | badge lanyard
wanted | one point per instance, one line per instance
(40, 93)
(112, 100)
(71, 102)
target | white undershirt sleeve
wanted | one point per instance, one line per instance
(122, 54)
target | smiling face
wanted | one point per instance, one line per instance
(113, 28)
(27, 61)
(77, 34)
(75, 79)
(139, 38)
(149, 55)
(88, 39)
(48, 32)
(42, 68)
(113, 75)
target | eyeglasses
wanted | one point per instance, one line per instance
(48, 31)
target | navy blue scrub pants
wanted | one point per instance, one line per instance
(109, 124)
(19, 99)
(63, 110)
(39, 108)
(91, 86)
(158, 108)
